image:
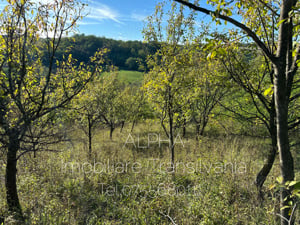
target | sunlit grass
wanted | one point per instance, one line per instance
(128, 181)
(131, 77)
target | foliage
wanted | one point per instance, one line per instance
(126, 55)
(166, 83)
(273, 27)
(210, 85)
(112, 101)
(32, 94)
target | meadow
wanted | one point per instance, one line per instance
(131, 77)
(128, 180)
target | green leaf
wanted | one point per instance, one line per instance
(280, 22)
(296, 185)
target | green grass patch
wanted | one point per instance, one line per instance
(131, 77)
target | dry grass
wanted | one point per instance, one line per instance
(127, 184)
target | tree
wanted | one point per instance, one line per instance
(254, 74)
(138, 108)
(166, 83)
(249, 70)
(30, 93)
(110, 101)
(209, 87)
(273, 26)
(132, 63)
(86, 112)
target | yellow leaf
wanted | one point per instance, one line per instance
(269, 91)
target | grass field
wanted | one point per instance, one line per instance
(127, 181)
(131, 77)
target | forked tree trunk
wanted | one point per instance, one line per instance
(12, 197)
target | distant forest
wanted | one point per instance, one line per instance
(126, 55)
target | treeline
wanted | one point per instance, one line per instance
(126, 55)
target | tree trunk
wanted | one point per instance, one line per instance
(184, 128)
(133, 124)
(112, 128)
(205, 121)
(171, 144)
(197, 131)
(283, 82)
(285, 156)
(12, 197)
(172, 148)
(264, 172)
(122, 126)
(90, 136)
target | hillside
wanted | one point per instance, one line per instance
(126, 55)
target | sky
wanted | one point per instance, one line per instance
(117, 19)
(120, 19)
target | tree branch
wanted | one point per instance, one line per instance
(243, 27)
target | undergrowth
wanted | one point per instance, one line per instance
(128, 180)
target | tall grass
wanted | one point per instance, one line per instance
(128, 181)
